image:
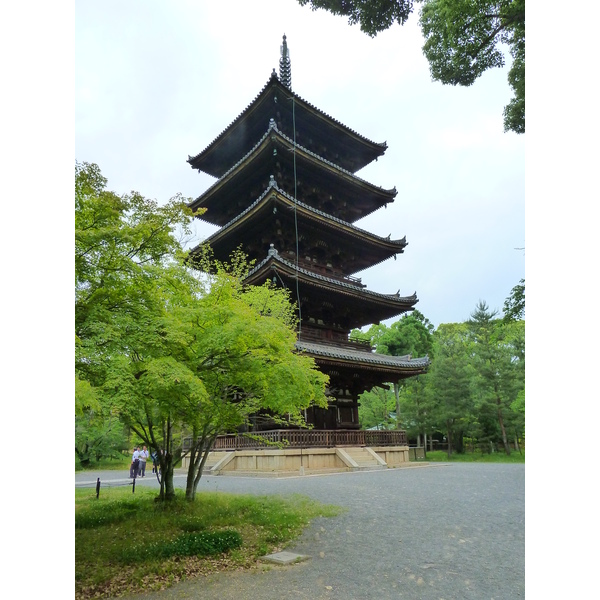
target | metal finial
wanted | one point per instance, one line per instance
(285, 66)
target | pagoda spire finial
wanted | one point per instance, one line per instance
(285, 66)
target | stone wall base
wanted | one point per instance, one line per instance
(303, 461)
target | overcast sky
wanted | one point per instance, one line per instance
(158, 81)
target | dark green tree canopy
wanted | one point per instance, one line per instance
(514, 305)
(463, 38)
(373, 16)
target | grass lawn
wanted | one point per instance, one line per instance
(126, 544)
(495, 457)
(106, 464)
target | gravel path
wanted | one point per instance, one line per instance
(446, 532)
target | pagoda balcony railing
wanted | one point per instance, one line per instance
(329, 271)
(310, 438)
(310, 333)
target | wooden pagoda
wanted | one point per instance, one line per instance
(287, 193)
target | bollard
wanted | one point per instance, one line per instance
(98, 488)
(133, 488)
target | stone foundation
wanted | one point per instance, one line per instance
(305, 460)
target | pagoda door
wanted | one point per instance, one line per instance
(330, 416)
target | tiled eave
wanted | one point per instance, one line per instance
(320, 163)
(274, 259)
(378, 148)
(392, 246)
(348, 355)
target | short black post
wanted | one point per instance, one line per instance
(133, 488)
(98, 487)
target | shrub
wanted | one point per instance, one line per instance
(204, 543)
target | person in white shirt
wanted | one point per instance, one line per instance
(143, 456)
(135, 463)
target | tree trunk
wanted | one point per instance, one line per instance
(459, 442)
(449, 435)
(397, 395)
(198, 456)
(502, 428)
(167, 478)
(189, 481)
(167, 489)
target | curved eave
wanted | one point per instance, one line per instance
(401, 365)
(202, 160)
(211, 197)
(276, 262)
(384, 247)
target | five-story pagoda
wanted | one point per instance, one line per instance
(287, 193)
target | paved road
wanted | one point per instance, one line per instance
(447, 532)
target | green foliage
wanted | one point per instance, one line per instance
(376, 407)
(450, 379)
(166, 348)
(463, 38)
(514, 305)
(474, 389)
(126, 543)
(112, 462)
(499, 359)
(411, 335)
(476, 456)
(205, 543)
(98, 436)
(86, 397)
(373, 16)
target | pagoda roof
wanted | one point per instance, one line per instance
(250, 227)
(355, 197)
(315, 129)
(355, 306)
(397, 365)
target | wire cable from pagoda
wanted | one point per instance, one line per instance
(296, 220)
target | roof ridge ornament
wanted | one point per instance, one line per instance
(285, 66)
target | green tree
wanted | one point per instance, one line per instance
(514, 305)
(98, 435)
(499, 362)
(126, 273)
(411, 335)
(375, 408)
(449, 384)
(463, 38)
(373, 16)
(172, 351)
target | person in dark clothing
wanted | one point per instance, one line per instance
(135, 463)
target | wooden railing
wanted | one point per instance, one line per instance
(310, 438)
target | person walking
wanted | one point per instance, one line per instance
(135, 463)
(143, 457)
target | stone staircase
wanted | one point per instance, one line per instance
(361, 458)
(213, 460)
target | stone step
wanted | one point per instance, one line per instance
(363, 458)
